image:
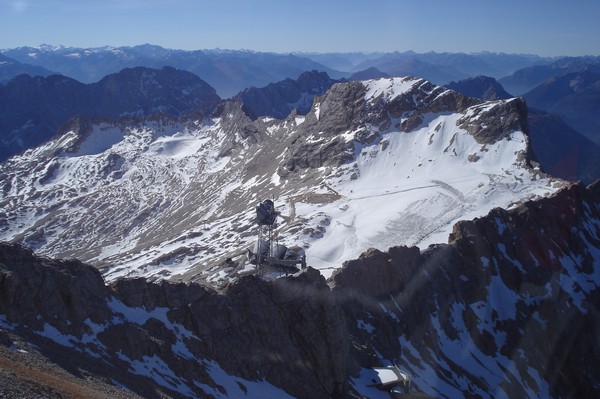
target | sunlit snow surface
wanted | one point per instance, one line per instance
(414, 191)
(162, 199)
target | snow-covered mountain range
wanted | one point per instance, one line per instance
(228, 71)
(373, 164)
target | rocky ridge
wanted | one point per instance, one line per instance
(463, 318)
(279, 99)
(482, 87)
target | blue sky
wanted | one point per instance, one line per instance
(547, 28)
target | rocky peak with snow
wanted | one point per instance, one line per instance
(33, 108)
(369, 111)
(507, 308)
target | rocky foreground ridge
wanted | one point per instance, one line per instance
(510, 307)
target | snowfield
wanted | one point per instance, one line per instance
(414, 191)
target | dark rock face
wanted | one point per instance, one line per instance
(491, 123)
(37, 289)
(239, 127)
(288, 332)
(342, 107)
(387, 271)
(510, 307)
(482, 87)
(32, 109)
(279, 99)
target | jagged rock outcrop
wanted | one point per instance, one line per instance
(279, 99)
(489, 124)
(239, 126)
(509, 307)
(558, 148)
(35, 290)
(387, 272)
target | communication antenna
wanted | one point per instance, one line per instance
(267, 250)
(266, 217)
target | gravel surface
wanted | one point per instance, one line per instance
(26, 373)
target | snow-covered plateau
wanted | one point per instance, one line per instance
(377, 163)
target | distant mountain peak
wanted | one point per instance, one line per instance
(483, 87)
(279, 99)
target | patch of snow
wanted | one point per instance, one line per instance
(389, 87)
(4, 323)
(365, 326)
(501, 226)
(55, 335)
(99, 140)
(237, 387)
(156, 369)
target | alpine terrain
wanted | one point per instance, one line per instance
(33, 108)
(373, 164)
(434, 243)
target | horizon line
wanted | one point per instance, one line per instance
(364, 52)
